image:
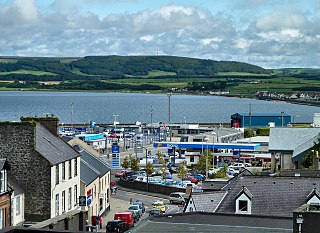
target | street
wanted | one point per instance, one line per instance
(121, 200)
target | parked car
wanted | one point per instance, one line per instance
(136, 215)
(154, 212)
(135, 208)
(177, 197)
(192, 179)
(199, 177)
(118, 226)
(232, 172)
(140, 203)
(159, 205)
(126, 217)
(120, 173)
(237, 166)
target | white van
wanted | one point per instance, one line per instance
(177, 198)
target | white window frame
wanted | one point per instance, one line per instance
(57, 204)
(18, 205)
(70, 198)
(63, 200)
(75, 195)
(3, 181)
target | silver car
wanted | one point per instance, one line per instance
(177, 197)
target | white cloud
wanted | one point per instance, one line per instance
(279, 38)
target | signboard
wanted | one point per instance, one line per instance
(89, 196)
(115, 149)
(82, 201)
(101, 195)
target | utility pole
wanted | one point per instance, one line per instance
(282, 119)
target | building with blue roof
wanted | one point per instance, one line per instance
(255, 120)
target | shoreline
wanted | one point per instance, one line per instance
(299, 102)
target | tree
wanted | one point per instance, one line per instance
(126, 163)
(160, 157)
(182, 173)
(203, 163)
(149, 168)
(134, 164)
(164, 170)
(308, 158)
(248, 133)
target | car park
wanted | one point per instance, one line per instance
(159, 205)
(177, 197)
(126, 216)
(118, 226)
(154, 212)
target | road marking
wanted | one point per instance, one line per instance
(146, 195)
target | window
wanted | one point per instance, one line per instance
(57, 174)
(76, 167)
(191, 159)
(95, 190)
(243, 205)
(70, 165)
(3, 181)
(57, 204)
(100, 204)
(75, 195)
(63, 171)
(69, 199)
(18, 209)
(63, 201)
(1, 219)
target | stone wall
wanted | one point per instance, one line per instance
(28, 167)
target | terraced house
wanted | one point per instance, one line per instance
(47, 168)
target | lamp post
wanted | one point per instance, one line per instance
(213, 134)
(169, 113)
(282, 119)
(146, 168)
(115, 121)
(185, 125)
(206, 139)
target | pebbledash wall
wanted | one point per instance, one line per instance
(17, 141)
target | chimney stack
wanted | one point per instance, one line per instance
(49, 122)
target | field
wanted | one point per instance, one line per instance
(27, 72)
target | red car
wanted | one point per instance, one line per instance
(192, 179)
(121, 173)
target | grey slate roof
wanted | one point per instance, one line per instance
(88, 174)
(207, 201)
(297, 140)
(4, 164)
(95, 162)
(271, 196)
(213, 185)
(53, 148)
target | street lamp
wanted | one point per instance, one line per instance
(213, 134)
(169, 96)
(185, 125)
(115, 121)
(146, 168)
(207, 139)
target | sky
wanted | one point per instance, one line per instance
(267, 33)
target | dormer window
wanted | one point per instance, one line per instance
(3, 181)
(313, 197)
(244, 201)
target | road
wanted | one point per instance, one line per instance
(121, 201)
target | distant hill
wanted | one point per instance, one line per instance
(116, 67)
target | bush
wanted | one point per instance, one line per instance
(263, 132)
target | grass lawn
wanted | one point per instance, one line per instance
(28, 72)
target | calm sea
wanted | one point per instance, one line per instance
(82, 107)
